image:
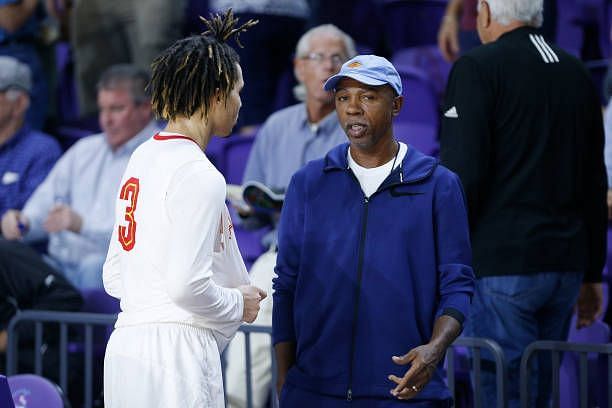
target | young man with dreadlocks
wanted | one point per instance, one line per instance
(173, 259)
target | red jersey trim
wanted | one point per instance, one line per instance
(170, 137)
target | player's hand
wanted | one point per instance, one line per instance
(610, 204)
(590, 304)
(14, 225)
(63, 218)
(251, 295)
(448, 38)
(423, 361)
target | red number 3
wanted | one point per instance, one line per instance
(127, 235)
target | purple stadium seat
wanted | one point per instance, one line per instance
(249, 242)
(598, 332)
(193, 10)
(98, 301)
(33, 391)
(422, 137)
(411, 23)
(6, 399)
(214, 151)
(284, 90)
(66, 93)
(428, 59)
(420, 98)
(235, 156)
(583, 28)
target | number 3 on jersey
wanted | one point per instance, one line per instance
(127, 234)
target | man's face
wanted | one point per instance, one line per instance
(120, 118)
(324, 59)
(366, 112)
(226, 113)
(12, 107)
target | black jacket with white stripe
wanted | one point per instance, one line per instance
(522, 127)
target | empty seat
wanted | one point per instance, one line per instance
(33, 391)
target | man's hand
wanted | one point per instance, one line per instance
(14, 225)
(63, 218)
(423, 361)
(610, 204)
(448, 38)
(251, 295)
(3, 341)
(590, 304)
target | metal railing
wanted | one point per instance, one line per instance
(556, 348)
(87, 321)
(248, 330)
(64, 319)
(477, 345)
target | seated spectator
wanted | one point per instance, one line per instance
(19, 36)
(26, 155)
(74, 206)
(289, 139)
(28, 283)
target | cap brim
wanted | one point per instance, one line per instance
(333, 80)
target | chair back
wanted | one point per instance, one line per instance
(33, 391)
(236, 154)
(420, 98)
(421, 137)
(598, 332)
(96, 300)
(6, 400)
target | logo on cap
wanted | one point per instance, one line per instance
(354, 64)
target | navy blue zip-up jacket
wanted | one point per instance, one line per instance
(361, 280)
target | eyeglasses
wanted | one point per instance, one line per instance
(335, 59)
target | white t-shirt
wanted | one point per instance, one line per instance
(371, 179)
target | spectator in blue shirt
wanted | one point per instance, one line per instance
(19, 28)
(26, 155)
(73, 207)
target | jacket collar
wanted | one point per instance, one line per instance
(416, 166)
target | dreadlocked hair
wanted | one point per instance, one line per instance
(186, 76)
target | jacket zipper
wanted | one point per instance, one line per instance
(349, 392)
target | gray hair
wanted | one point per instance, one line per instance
(129, 77)
(303, 48)
(526, 11)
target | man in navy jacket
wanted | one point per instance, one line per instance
(374, 258)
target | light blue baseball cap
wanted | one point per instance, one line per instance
(369, 70)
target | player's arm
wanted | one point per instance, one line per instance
(194, 204)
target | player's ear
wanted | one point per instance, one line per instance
(218, 96)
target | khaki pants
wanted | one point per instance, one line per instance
(108, 32)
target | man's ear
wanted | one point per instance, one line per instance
(398, 102)
(23, 103)
(486, 10)
(298, 69)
